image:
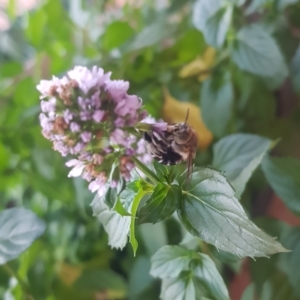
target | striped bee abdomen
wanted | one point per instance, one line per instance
(159, 146)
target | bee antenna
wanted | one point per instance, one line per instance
(187, 115)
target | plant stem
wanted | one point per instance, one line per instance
(135, 205)
(24, 285)
(146, 170)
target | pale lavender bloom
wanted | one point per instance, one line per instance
(130, 151)
(68, 116)
(98, 115)
(94, 186)
(83, 77)
(87, 79)
(132, 120)
(126, 168)
(128, 105)
(99, 185)
(86, 136)
(118, 137)
(162, 126)
(46, 123)
(114, 184)
(146, 158)
(71, 122)
(107, 150)
(119, 122)
(141, 147)
(61, 147)
(96, 99)
(102, 190)
(85, 115)
(48, 106)
(84, 155)
(142, 153)
(100, 75)
(78, 167)
(77, 148)
(81, 103)
(97, 159)
(47, 134)
(59, 83)
(74, 127)
(44, 87)
(156, 125)
(87, 176)
(117, 88)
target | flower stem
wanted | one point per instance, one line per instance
(144, 127)
(24, 285)
(135, 204)
(146, 170)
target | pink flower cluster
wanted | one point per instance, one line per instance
(88, 115)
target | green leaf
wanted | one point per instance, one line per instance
(91, 282)
(135, 203)
(217, 104)
(205, 270)
(173, 261)
(111, 197)
(10, 69)
(282, 4)
(25, 93)
(116, 34)
(4, 157)
(289, 261)
(255, 51)
(188, 47)
(119, 208)
(139, 278)
(256, 5)
(170, 261)
(278, 288)
(161, 171)
(154, 236)
(283, 174)
(213, 19)
(116, 226)
(35, 30)
(210, 211)
(94, 279)
(19, 228)
(152, 34)
(162, 203)
(295, 70)
(239, 155)
(178, 288)
(249, 292)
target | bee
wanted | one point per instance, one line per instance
(177, 144)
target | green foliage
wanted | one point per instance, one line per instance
(211, 211)
(248, 95)
(295, 70)
(288, 262)
(217, 97)
(19, 228)
(213, 18)
(283, 174)
(162, 203)
(249, 53)
(239, 155)
(185, 272)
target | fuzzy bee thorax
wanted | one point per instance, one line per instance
(177, 144)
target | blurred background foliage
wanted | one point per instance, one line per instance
(172, 62)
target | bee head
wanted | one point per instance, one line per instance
(181, 133)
